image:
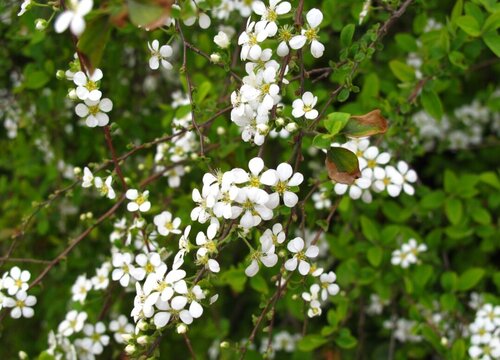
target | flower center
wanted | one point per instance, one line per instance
(149, 268)
(271, 15)
(94, 109)
(20, 304)
(264, 89)
(371, 164)
(254, 181)
(19, 283)
(311, 34)
(91, 85)
(140, 200)
(281, 187)
(252, 39)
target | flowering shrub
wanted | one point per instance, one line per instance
(249, 179)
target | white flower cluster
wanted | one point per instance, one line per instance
(94, 108)
(376, 305)
(13, 293)
(403, 329)
(485, 333)
(83, 285)
(282, 341)
(465, 128)
(319, 293)
(251, 196)
(376, 174)
(408, 254)
(181, 147)
(104, 187)
(257, 98)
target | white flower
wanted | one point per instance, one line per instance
(165, 225)
(408, 254)
(313, 298)
(205, 204)
(159, 285)
(80, 289)
(321, 200)
(296, 246)
(87, 87)
(271, 13)
(183, 248)
(73, 323)
(25, 6)
(162, 317)
(358, 188)
(285, 178)
(88, 178)
(252, 206)
(105, 187)
(120, 327)
(72, 17)
(94, 111)
(101, 279)
(310, 34)
(249, 40)
(21, 305)
(222, 40)
(139, 201)
(388, 178)
(159, 55)
(490, 313)
(98, 337)
(328, 286)
(17, 281)
(305, 106)
(409, 177)
(265, 256)
(276, 235)
(372, 158)
(122, 262)
(148, 264)
(208, 246)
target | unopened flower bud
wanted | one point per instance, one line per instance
(142, 325)
(263, 129)
(22, 355)
(143, 340)
(77, 170)
(221, 130)
(444, 341)
(40, 24)
(140, 167)
(215, 58)
(280, 121)
(194, 156)
(187, 169)
(291, 127)
(60, 74)
(222, 40)
(72, 94)
(130, 349)
(181, 329)
(127, 337)
(89, 215)
(224, 345)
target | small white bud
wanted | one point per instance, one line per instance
(221, 130)
(444, 341)
(142, 325)
(40, 24)
(291, 127)
(126, 337)
(224, 345)
(280, 121)
(60, 74)
(221, 40)
(143, 340)
(215, 58)
(263, 129)
(194, 156)
(77, 170)
(72, 94)
(89, 215)
(187, 169)
(130, 349)
(181, 329)
(140, 167)
(22, 355)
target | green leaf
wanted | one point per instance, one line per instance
(374, 255)
(235, 278)
(492, 40)
(336, 122)
(448, 302)
(148, 14)
(458, 350)
(342, 165)
(492, 22)
(93, 41)
(432, 104)
(402, 71)
(259, 284)
(490, 178)
(345, 340)
(406, 42)
(433, 200)
(458, 8)
(469, 24)
(366, 125)
(451, 182)
(449, 281)
(35, 79)
(203, 91)
(454, 210)
(470, 278)
(322, 141)
(311, 342)
(346, 35)
(369, 229)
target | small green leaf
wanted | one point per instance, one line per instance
(374, 255)
(470, 278)
(454, 210)
(336, 122)
(449, 281)
(322, 141)
(311, 342)
(203, 90)
(492, 40)
(458, 350)
(369, 229)
(346, 35)
(345, 340)
(432, 104)
(402, 71)
(36, 79)
(451, 182)
(149, 14)
(469, 24)
(433, 200)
